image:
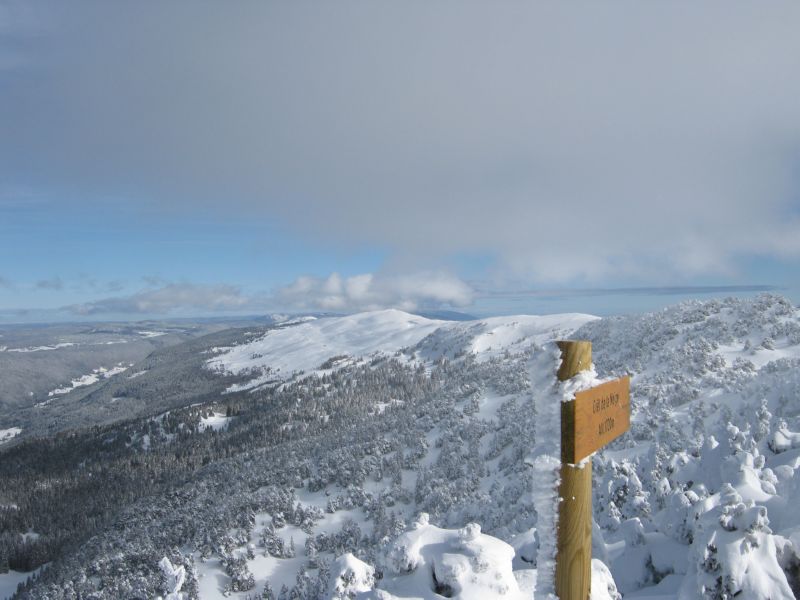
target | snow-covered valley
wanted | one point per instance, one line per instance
(384, 455)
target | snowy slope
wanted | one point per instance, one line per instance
(306, 346)
(694, 501)
(8, 434)
(680, 512)
(9, 582)
(326, 480)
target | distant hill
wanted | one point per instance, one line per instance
(446, 315)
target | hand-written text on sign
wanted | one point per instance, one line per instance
(594, 418)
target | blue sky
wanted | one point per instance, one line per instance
(161, 161)
(121, 248)
(62, 258)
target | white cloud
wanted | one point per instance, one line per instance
(424, 290)
(173, 297)
(574, 141)
(371, 292)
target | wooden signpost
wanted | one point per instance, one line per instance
(589, 422)
(594, 418)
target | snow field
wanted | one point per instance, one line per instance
(306, 345)
(6, 435)
(90, 379)
(9, 582)
(216, 421)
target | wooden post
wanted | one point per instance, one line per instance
(574, 549)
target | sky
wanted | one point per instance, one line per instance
(187, 159)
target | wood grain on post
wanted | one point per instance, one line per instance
(574, 549)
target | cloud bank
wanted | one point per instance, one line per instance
(173, 297)
(331, 294)
(422, 291)
(574, 142)
(370, 292)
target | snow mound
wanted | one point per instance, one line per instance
(429, 562)
(603, 586)
(782, 439)
(349, 576)
(734, 552)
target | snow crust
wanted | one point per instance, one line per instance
(545, 460)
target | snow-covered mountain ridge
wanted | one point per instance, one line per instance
(310, 345)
